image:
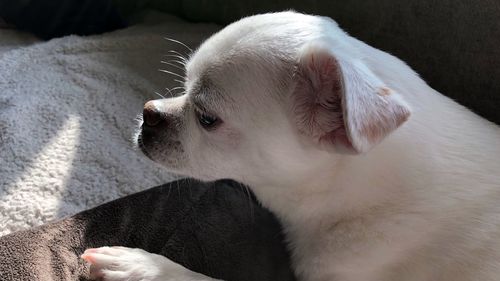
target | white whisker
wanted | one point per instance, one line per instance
(170, 93)
(179, 62)
(175, 88)
(177, 91)
(172, 73)
(179, 42)
(159, 95)
(179, 81)
(177, 53)
(178, 94)
(183, 59)
(173, 65)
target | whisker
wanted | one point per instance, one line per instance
(250, 200)
(183, 59)
(179, 81)
(177, 91)
(179, 87)
(160, 95)
(179, 62)
(170, 92)
(172, 64)
(177, 53)
(178, 94)
(178, 42)
(172, 73)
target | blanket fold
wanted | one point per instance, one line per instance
(217, 229)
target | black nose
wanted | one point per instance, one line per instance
(151, 115)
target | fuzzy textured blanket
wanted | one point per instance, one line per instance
(67, 109)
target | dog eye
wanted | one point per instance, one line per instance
(207, 121)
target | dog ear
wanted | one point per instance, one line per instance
(342, 103)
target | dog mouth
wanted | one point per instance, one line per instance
(161, 148)
(140, 143)
(148, 142)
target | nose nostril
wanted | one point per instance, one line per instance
(150, 114)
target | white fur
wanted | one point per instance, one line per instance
(121, 263)
(422, 204)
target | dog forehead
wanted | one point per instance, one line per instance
(253, 56)
(260, 36)
(216, 55)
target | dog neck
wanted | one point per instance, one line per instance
(407, 171)
(347, 187)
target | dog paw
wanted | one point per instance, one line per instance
(121, 263)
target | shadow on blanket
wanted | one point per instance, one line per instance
(217, 229)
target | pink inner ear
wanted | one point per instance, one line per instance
(317, 99)
(341, 102)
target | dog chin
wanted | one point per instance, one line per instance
(165, 164)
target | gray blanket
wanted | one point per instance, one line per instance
(217, 229)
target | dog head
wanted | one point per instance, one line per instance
(271, 97)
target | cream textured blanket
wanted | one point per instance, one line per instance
(67, 109)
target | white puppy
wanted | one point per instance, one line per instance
(373, 174)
